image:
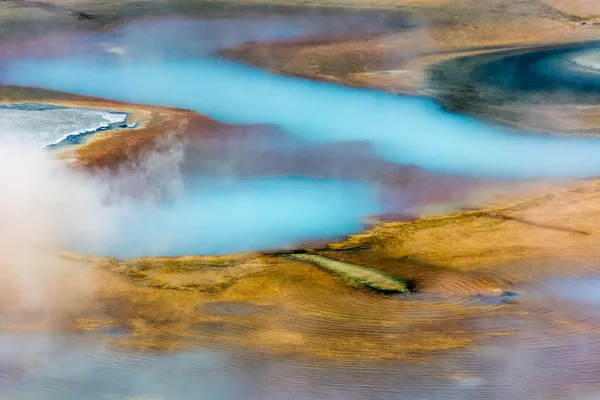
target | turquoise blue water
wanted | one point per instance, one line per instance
(235, 216)
(246, 215)
(403, 130)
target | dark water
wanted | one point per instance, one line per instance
(542, 71)
(539, 75)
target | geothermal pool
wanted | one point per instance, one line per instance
(527, 356)
(254, 215)
(402, 129)
(565, 71)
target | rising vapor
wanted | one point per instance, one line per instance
(47, 206)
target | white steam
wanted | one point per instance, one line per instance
(45, 206)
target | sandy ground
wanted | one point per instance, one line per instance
(356, 3)
(412, 52)
(582, 8)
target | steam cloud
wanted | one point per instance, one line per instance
(46, 206)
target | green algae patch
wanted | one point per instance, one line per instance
(355, 275)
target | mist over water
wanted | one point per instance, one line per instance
(71, 368)
(402, 129)
(151, 209)
(195, 37)
(211, 216)
(239, 215)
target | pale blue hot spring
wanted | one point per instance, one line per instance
(268, 214)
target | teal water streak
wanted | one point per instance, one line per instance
(403, 130)
(235, 216)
